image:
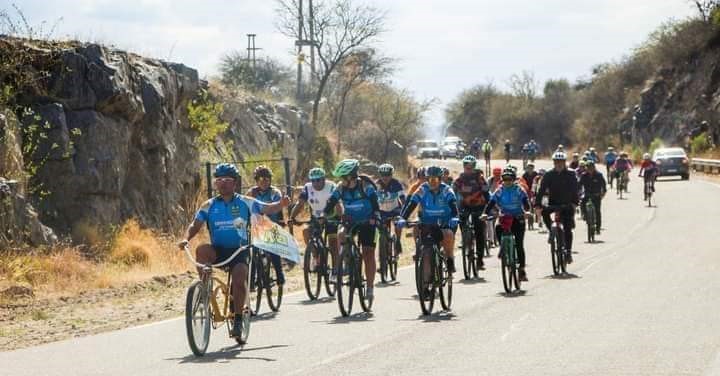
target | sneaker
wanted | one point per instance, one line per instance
(569, 256)
(237, 326)
(451, 265)
(523, 275)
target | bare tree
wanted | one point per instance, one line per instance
(340, 28)
(705, 8)
(524, 86)
(361, 66)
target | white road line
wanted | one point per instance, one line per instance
(514, 327)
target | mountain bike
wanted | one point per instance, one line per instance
(621, 185)
(263, 277)
(490, 236)
(467, 231)
(387, 249)
(590, 220)
(558, 252)
(318, 261)
(648, 190)
(508, 255)
(209, 304)
(350, 277)
(431, 274)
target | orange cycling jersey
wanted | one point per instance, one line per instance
(472, 188)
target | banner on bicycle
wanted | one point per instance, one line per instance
(270, 237)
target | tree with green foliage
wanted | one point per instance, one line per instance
(236, 70)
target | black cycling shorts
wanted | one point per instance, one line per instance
(366, 235)
(223, 254)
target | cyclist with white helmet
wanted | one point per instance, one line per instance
(561, 187)
(391, 198)
(472, 193)
(648, 171)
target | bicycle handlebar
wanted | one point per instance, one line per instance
(218, 265)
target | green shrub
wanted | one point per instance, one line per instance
(700, 143)
(205, 117)
(655, 144)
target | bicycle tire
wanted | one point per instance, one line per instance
(345, 287)
(383, 256)
(274, 299)
(394, 258)
(328, 261)
(198, 333)
(467, 252)
(362, 284)
(554, 252)
(444, 279)
(313, 279)
(590, 221)
(258, 279)
(561, 251)
(426, 298)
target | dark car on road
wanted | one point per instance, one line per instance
(672, 161)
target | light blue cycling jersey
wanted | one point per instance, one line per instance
(220, 216)
(510, 199)
(436, 207)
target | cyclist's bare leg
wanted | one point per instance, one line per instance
(448, 243)
(205, 254)
(239, 286)
(368, 255)
(333, 246)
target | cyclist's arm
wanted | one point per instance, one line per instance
(193, 229)
(332, 202)
(412, 203)
(541, 192)
(299, 205)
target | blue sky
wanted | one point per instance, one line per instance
(443, 46)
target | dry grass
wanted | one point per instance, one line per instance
(134, 254)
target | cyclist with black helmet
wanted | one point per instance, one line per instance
(222, 215)
(438, 203)
(512, 200)
(316, 194)
(391, 197)
(264, 191)
(473, 193)
(446, 177)
(560, 185)
(359, 200)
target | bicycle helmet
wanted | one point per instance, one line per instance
(316, 173)
(434, 171)
(623, 154)
(469, 159)
(386, 169)
(576, 155)
(541, 172)
(446, 170)
(421, 173)
(512, 168)
(560, 147)
(346, 167)
(262, 172)
(509, 171)
(226, 169)
(583, 163)
(646, 156)
(610, 148)
(592, 149)
(589, 164)
(559, 156)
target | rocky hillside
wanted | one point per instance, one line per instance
(104, 136)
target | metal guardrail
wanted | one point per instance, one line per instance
(710, 166)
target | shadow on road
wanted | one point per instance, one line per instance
(387, 284)
(358, 317)
(562, 276)
(227, 354)
(322, 300)
(264, 316)
(514, 294)
(439, 316)
(473, 281)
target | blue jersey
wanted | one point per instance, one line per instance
(269, 196)
(610, 158)
(436, 207)
(389, 197)
(220, 215)
(357, 201)
(510, 200)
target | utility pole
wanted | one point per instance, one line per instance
(300, 57)
(251, 50)
(312, 39)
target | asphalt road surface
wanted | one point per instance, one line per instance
(642, 301)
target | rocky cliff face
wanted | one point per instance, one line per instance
(678, 99)
(112, 139)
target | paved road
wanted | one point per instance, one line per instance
(642, 302)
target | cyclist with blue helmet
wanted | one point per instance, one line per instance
(226, 216)
(359, 199)
(438, 203)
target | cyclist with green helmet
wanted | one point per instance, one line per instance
(472, 193)
(391, 197)
(316, 194)
(360, 206)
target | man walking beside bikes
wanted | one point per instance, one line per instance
(512, 201)
(472, 192)
(561, 187)
(360, 206)
(594, 186)
(438, 203)
(221, 215)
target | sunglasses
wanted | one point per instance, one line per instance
(263, 178)
(225, 180)
(507, 179)
(317, 180)
(434, 178)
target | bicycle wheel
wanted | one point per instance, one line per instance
(313, 278)
(345, 282)
(361, 283)
(327, 262)
(554, 252)
(467, 252)
(425, 286)
(257, 280)
(273, 288)
(561, 251)
(506, 264)
(590, 221)
(444, 278)
(394, 257)
(198, 317)
(383, 256)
